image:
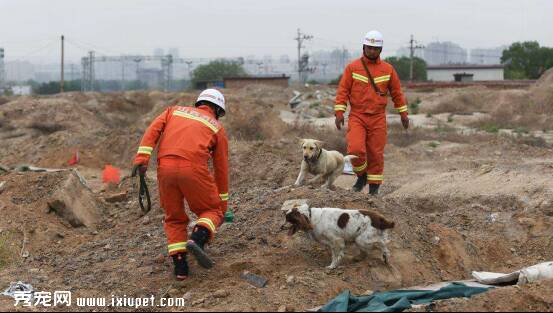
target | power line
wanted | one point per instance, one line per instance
(412, 48)
(302, 66)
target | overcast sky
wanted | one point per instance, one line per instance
(228, 28)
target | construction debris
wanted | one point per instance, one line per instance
(118, 197)
(18, 287)
(75, 202)
(30, 168)
(539, 272)
(294, 203)
(317, 104)
(255, 280)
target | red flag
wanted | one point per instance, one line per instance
(111, 174)
(75, 159)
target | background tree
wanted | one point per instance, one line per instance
(526, 60)
(402, 66)
(217, 70)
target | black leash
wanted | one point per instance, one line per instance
(371, 80)
(144, 192)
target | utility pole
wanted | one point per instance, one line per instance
(300, 39)
(259, 67)
(2, 71)
(62, 82)
(123, 75)
(137, 61)
(412, 48)
(72, 72)
(189, 66)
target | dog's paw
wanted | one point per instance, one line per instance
(331, 267)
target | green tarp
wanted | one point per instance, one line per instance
(398, 300)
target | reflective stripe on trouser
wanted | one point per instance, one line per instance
(176, 247)
(366, 138)
(180, 180)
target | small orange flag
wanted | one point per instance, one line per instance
(111, 175)
(75, 159)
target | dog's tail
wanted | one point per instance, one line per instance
(350, 157)
(377, 220)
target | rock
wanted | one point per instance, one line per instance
(187, 296)
(75, 202)
(146, 220)
(107, 247)
(219, 294)
(173, 292)
(290, 280)
(290, 204)
(255, 280)
(285, 308)
(198, 302)
(2, 186)
(118, 197)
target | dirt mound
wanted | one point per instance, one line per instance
(542, 93)
(535, 297)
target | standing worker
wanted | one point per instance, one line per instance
(188, 138)
(365, 85)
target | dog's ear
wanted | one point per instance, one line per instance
(298, 221)
(305, 223)
(319, 144)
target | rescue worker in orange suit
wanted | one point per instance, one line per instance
(365, 85)
(188, 137)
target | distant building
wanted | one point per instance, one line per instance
(159, 52)
(465, 72)
(487, 56)
(437, 53)
(22, 90)
(174, 52)
(239, 82)
(151, 76)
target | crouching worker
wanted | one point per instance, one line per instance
(188, 137)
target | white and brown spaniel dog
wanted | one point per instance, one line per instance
(335, 228)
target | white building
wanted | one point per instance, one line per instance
(22, 90)
(465, 72)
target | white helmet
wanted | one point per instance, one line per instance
(373, 39)
(214, 96)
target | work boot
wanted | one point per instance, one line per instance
(360, 183)
(181, 266)
(196, 245)
(373, 189)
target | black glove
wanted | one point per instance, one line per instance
(138, 169)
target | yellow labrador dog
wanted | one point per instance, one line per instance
(324, 164)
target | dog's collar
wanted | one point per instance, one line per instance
(317, 157)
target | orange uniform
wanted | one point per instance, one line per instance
(188, 138)
(367, 127)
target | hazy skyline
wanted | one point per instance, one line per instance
(30, 29)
